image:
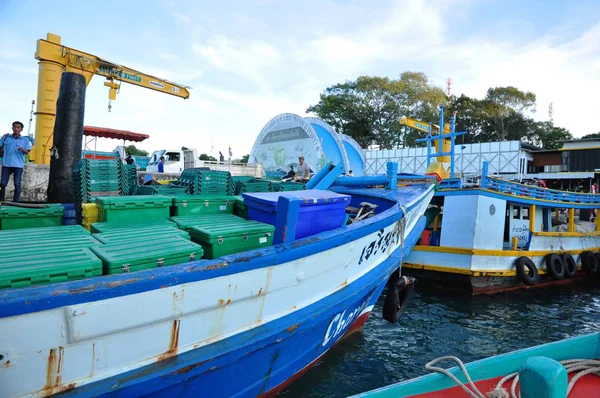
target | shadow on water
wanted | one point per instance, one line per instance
(438, 324)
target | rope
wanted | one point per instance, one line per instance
(582, 366)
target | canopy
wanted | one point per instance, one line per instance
(104, 132)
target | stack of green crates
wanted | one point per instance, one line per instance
(131, 177)
(156, 251)
(230, 235)
(193, 205)
(256, 186)
(13, 217)
(292, 186)
(169, 190)
(186, 222)
(205, 182)
(129, 209)
(61, 253)
(93, 178)
(238, 181)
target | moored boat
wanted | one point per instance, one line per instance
(569, 367)
(243, 324)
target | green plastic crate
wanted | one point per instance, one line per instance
(233, 236)
(33, 233)
(53, 242)
(13, 217)
(99, 227)
(142, 234)
(39, 267)
(133, 208)
(192, 205)
(118, 258)
(185, 222)
(240, 208)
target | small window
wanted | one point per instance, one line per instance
(516, 212)
(525, 213)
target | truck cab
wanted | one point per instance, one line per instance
(176, 160)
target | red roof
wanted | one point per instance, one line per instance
(104, 132)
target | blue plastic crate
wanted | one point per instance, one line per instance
(69, 214)
(319, 210)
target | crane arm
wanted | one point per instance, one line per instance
(89, 65)
(423, 126)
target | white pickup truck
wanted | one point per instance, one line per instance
(176, 160)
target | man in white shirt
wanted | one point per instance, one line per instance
(303, 170)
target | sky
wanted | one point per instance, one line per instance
(250, 60)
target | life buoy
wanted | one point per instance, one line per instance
(589, 263)
(530, 276)
(570, 265)
(555, 266)
(400, 289)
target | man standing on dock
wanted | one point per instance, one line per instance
(14, 148)
(302, 171)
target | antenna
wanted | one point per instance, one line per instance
(550, 111)
(449, 86)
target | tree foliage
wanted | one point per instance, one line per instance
(204, 156)
(594, 135)
(134, 151)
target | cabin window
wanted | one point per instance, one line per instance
(525, 213)
(173, 156)
(516, 212)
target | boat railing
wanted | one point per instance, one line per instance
(518, 189)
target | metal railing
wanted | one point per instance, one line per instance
(517, 189)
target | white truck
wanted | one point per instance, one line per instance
(176, 160)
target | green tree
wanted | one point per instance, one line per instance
(593, 135)
(206, 157)
(369, 109)
(134, 151)
(548, 136)
(505, 106)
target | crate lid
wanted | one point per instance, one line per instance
(17, 211)
(202, 199)
(308, 197)
(152, 250)
(188, 221)
(137, 201)
(45, 267)
(140, 234)
(48, 242)
(120, 225)
(230, 228)
(22, 234)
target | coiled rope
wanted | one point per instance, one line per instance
(581, 366)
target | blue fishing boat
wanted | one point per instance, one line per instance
(569, 367)
(243, 324)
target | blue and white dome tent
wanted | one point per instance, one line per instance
(288, 136)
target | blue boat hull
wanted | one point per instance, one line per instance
(243, 366)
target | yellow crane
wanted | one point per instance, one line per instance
(435, 130)
(54, 59)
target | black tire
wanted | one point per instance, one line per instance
(589, 263)
(397, 298)
(570, 265)
(527, 271)
(555, 266)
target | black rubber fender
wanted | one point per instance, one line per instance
(397, 297)
(570, 265)
(527, 271)
(555, 266)
(589, 263)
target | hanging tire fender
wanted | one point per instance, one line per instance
(397, 297)
(589, 263)
(570, 265)
(527, 271)
(555, 266)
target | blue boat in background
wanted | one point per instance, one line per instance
(241, 325)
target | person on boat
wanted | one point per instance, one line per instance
(161, 165)
(129, 159)
(13, 152)
(350, 173)
(303, 170)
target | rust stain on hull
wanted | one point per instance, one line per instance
(54, 370)
(293, 327)
(173, 342)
